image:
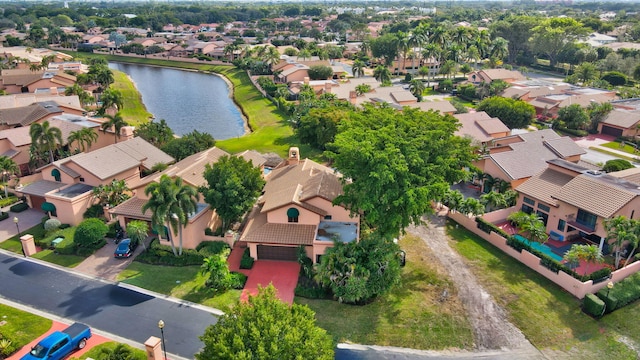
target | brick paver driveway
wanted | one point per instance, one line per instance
(102, 264)
(282, 274)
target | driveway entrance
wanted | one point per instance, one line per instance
(282, 274)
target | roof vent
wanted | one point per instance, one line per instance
(594, 172)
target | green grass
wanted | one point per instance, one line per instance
(270, 130)
(626, 148)
(599, 149)
(547, 315)
(21, 327)
(134, 112)
(13, 244)
(181, 282)
(96, 351)
(69, 261)
(410, 315)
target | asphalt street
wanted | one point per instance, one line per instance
(104, 306)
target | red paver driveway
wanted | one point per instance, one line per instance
(282, 274)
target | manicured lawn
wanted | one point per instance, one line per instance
(96, 351)
(181, 282)
(39, 234)
(548, 316)
(134, 112)
(413, 314)
(617, 155)
(21, 327)
(69, 261)
(626, 148)
(13, 243)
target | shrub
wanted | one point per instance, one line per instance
(3, 215)
(66, 247)
(113, 228)
(593, 305)
(64, 226)
(573, 132)
(488, 227)
(208, 248)
(7, 347)
(615, 78)
(610, 302)
(9, 201)
(19, 207)
(90, 234)
(306, 264)
(309, 288)
(52, 224)
(237, 280)
(94, 211)
(208, 232)
(246, 262)
(158, 254)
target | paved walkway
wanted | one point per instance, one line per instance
(597, 140)
(102, 264)
(26, 220)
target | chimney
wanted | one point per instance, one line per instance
(294, 156)
(327, 87)
(53, 90)
(306, 80)
(352, 97)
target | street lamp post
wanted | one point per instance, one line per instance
(164, 348)
(609, 287)
(16, 220)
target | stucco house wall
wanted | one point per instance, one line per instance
(338, 213)
(70, 211)
(305, 217)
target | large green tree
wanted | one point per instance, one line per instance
(516, 30)
(396, 163)
(320, 125)
(155, 133)
(266, 328)
(234, 184)
(189, 144)
(574, 116)
(551, 35)
(514, 113)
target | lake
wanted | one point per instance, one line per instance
(187, 100)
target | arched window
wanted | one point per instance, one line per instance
(56, 174)
(292, 215)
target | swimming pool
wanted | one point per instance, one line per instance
(540, 247)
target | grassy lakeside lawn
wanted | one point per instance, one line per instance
(182, 282)
(22, 327)
(134, 112)
(411, 315)
(270, 131)
(548, 316)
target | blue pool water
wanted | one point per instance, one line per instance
(540, 247)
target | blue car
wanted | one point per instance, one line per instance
(125, 249)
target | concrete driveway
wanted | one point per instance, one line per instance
(26, 220)
(102, 264)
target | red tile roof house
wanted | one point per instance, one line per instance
(490, 75)
(624, 120)
(574, 201)
(518, 157)
(296, 210)
(481, 127)
(66, 185)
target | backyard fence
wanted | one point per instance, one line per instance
(569, 283)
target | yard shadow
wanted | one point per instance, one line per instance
(85, 301)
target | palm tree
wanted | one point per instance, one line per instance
(362, 89)
(448, 68)
(587, 253)
(116, 122)
(104, 76)
(493, 200)
(624, 232)
(416, 87)
(586, 72)
(499, 48)
(402, 43)
(382, 74)
(83, 95)
(162, 198)
(46, 137)
(111, 98)
(453, 200)
(483, 90)
(272, 57)
(417, 39)
(84, 137)
(358, 68)
(8, 168)
(185, 206)
(137, 231)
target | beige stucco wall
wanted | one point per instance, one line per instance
(338, 213)
(64, 178)
(279, 216)
(70, 211)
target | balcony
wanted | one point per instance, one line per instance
(580, 225)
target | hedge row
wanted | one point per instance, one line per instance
(593, 306)
(3, 215)
(622, 294)
(158, 254)
(19, 207)
(9, 201)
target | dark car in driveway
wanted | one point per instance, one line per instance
(125, 248)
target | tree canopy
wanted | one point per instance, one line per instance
(395, 163)
(234, 184)
(189, 144)
(266, 328)
(515, 114)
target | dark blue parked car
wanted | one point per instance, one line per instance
(125, 248)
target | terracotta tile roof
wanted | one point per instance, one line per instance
(545, 185)
(20, 76)
(564, 147)
(41, 187)
(27, 115)
(480, 126)
(259, 231)
(256, 158)
(132, 208)
(631, 175)
(294, 184)
(17, 136)
(19, 100)
(602, 195)
(622, 118)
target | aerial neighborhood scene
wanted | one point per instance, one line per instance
(319, 180)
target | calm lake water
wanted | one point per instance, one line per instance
(187, 100)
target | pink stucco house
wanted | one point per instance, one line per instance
(573, 201)
(297, 210)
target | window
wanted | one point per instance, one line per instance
(544, 208)
(544, 216)
(81, 179)
(292, 215)
(327, 217)
(526, 208)
(529, 201)
(561, 224)
(587, 219)
(56, 174)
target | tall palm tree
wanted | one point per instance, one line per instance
(272, 57)
(116, 122)
(358, 68)
(185, 206)
(162, 197)
(499, 48)
(382, 74)
(402, 44)
(416, 87)
(111, 98)
(104, 76)
(84, 137)
(83, 95)
(46, 137)
(8, 168)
